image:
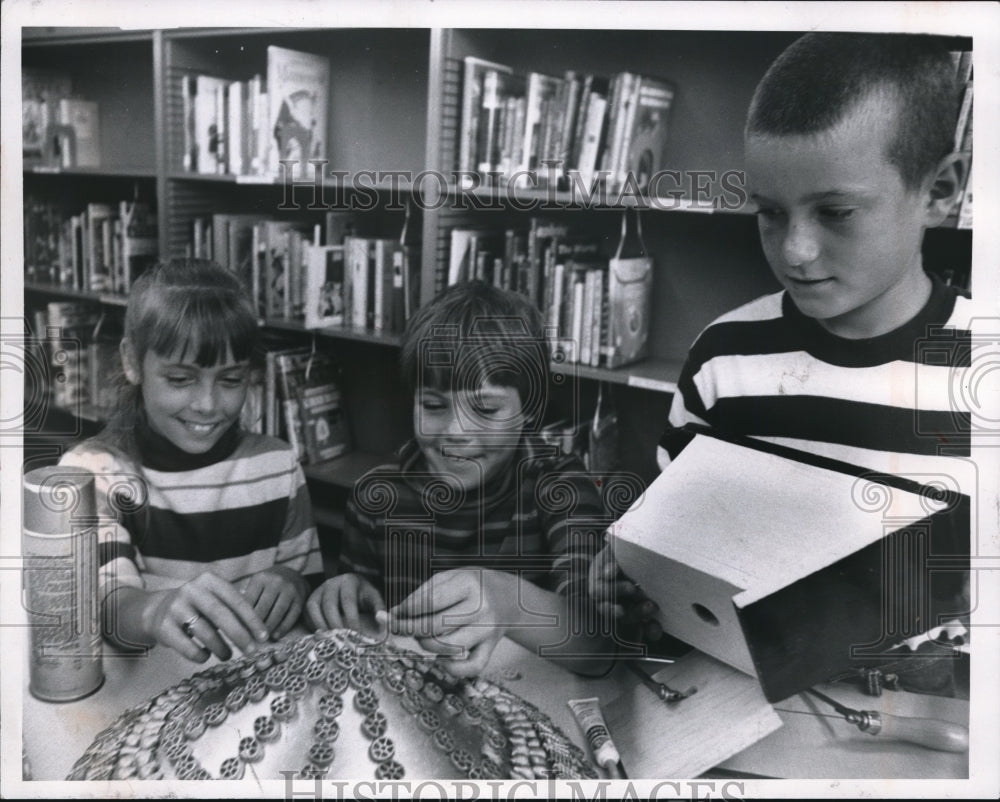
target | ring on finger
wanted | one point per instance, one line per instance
(188, 626)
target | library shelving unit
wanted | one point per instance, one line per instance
(394, 104)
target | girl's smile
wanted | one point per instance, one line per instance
(192, 406)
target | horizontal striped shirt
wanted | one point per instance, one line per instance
(888, 403)
(236, 517)
(542, 519)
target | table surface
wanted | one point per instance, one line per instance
(806, 746)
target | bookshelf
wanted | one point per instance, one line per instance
(394, 105)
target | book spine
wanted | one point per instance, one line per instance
(358, 271)
(631, 107)
(468, 134)
(221, 133)
(596, 311)
(589, 149)
(189, 158)
(399, 286)
(577, 316)
(579, 124)
(235, 130)
(553, 320)
(256, 251)
(288, 274)
(373, 271)
(622, 116)
(380, 289)
(569, 115)
(614, 92)
(587, 315)
(487, 135)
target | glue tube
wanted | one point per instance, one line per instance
(588, 715)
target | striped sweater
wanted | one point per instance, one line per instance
(543, 519)
(888, 403)
(235, 517)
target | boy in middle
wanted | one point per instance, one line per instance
(479, 530)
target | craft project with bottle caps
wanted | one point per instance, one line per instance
(338, 705)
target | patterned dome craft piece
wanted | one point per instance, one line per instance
(333, 704)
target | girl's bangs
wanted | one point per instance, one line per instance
(207, 329)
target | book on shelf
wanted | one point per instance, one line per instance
(592, 136)
(98, 270)
(41, 91)
(140, 242)
(82, 118)
(502, 96)
(298, 90)
(238, 132)
(280, 240)
(472, 93)
(311, 404)
(325, 274)
(471, 254)
(546, 129)
(43, 241)
(646, 132)
(203, 103)
(540, 95)
(369, 283)
(227, 239)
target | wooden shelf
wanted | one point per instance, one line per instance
(93, 172)
(41, 36)
(336, 332)
(107, 298)
(346, 470)
(660, 375)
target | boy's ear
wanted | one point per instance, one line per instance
(944, 187)
(129, 362)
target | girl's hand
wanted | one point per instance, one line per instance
(277, 595)
(620, 600)
(462, 613)
(193, 617)
(348, 600)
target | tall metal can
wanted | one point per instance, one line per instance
(60, 552)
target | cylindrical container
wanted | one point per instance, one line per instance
(59, 546)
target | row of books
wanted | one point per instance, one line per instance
(103, 248)
(963, 132)
(551, 126)
(58, 129)
(245, 128)
(595, 305)
(302, 403)
(322, 274)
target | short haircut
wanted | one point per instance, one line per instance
(474, 333)
(821, 77)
